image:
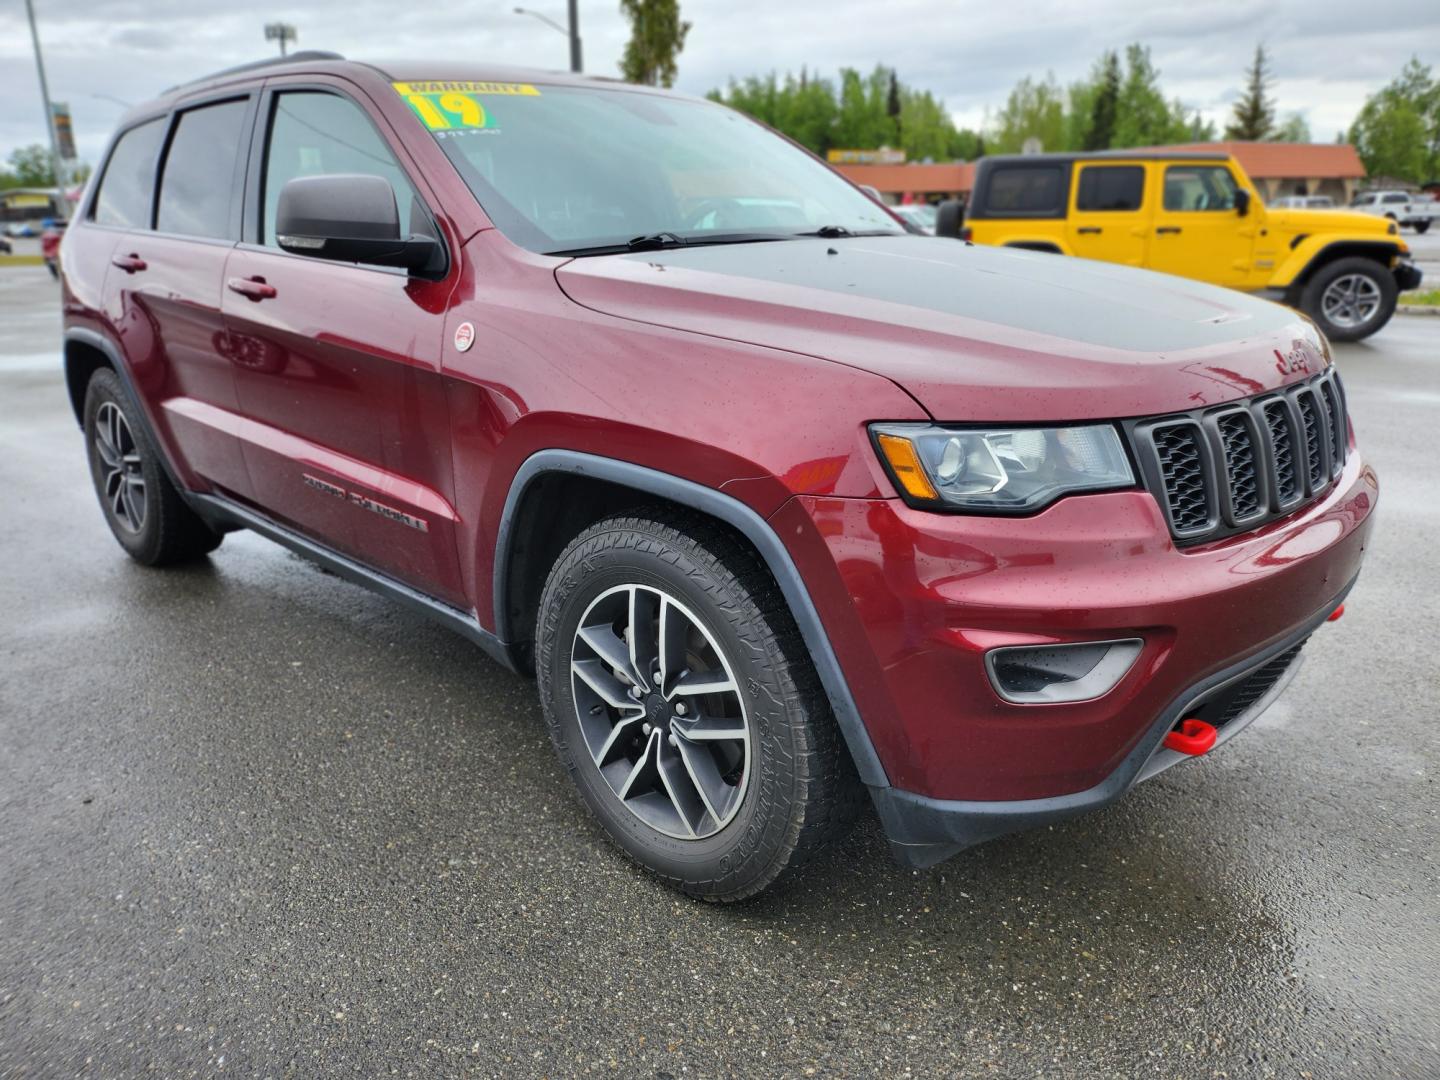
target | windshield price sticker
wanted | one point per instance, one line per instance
(454, 106)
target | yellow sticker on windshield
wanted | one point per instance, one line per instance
(453, 106)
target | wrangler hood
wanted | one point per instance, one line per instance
(972, 333)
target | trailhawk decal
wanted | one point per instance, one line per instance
(366, 503)
(454, 106)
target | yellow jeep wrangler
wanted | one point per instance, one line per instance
(1197, 215)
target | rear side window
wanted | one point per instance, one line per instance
(313, 133)
(197, 187)
(1397, 198)
(1110, 187)
(1031, 190)
(129, 181)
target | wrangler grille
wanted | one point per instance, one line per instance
(1223, 470)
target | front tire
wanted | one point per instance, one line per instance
(681, 700)
(143, 509)
(1350, 299)
(1422, 227)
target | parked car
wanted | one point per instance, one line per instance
(779, 516)
(1195, 214)
(1303, 202)
(1402, 207)
(921, 215)
(22, 230)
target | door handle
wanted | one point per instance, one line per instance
(1089, 230)
(131, 264)
(254, 288)
(1166, 229)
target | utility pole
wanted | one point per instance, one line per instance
(55, 165)
(575, 62)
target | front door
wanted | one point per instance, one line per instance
(337, 365)
(1108, 218)
(1199, 232)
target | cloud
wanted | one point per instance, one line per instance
(1327, 57)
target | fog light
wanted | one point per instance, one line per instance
(1048, 674)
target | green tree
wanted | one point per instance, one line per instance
(657, 37)
(1293, 129)
(1398, 130)
(31, 166)
(1035, 109)
(1142, 115)
(1254, 119)
(1103, 104)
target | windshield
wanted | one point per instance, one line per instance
(565, 169)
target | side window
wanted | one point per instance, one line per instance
(197, 185)
(1397, 197)
(312, 133)
(1036, 191)
(129, 180)
(1199, 187)
(1110, 187)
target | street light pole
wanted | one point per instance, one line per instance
(45, 100)
(573, 33)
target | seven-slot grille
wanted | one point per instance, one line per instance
(1230, 468)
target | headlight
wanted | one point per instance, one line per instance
(1000, 470)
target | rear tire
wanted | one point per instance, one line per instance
(144, 511)
(1422, 227)
(1350, 299)
(785, 788)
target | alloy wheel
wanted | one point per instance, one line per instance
(121, 474)
(1351, 300)
(660, 711)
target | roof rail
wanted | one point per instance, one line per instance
(304, 56)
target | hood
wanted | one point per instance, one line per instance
(1301, 219)
(972, 333)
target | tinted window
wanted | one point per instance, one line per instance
(315, 133)
(197, 188)
(1199, 187)
(1397, 198)
(1110, 187)
(129, 180)
(1027, 191)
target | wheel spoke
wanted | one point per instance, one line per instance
(610, 690)
(700, 768)
(705, 682)
(671, 636)
(623, 730)
(683, 795)
(606, 644)
(643, 776)
(642, 635)
(713, 729)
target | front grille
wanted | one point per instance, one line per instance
(1222, 470)
(1235, 699)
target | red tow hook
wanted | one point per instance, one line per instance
(1334, 615)
(1193, 737)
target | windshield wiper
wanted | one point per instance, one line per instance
(655, 241)
(833, 232)
(661, 240)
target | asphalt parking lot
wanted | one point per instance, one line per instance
(256, 821)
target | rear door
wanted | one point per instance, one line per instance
(165, 281)
(1108, 218)
(347, 430)
(1199, 232)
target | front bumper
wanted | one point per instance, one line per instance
(913, 602)
(1408, 276)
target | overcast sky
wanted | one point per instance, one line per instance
(1328, 55)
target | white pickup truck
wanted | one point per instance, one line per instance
(1416, 211)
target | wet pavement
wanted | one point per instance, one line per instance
(254, 820)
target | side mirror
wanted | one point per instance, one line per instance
(1242, 201)
(949, 217)
(873, 192)
(348, 218)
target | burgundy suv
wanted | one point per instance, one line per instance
(779, 502)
